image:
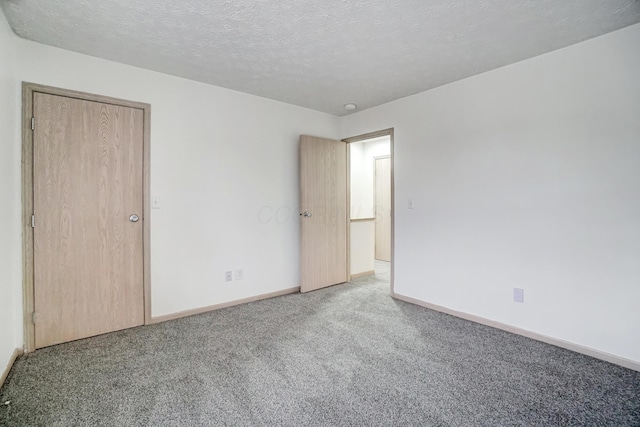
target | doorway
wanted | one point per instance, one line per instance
(86, 232)
(370, 218)
(326, 224)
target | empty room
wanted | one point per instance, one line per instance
(345, 213)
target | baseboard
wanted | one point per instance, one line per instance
(364, 273)
(624, 362)
(16, 353)
(209, 308)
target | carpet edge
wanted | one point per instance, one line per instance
(16, 353)
(206, 309)
(567, 345)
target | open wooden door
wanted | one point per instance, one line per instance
(324, 214)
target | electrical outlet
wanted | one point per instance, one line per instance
(228, 276)
(518, 295)
(239, 274)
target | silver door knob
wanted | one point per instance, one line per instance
(134, 218)
(306, 214)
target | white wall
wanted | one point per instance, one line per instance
(359, 204)
(224, 166)
(526, 176)
(362, 247)
(362, 156)
(10, 233)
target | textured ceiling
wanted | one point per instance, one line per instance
(318, 54)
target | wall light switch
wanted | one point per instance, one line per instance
(518, 295)
(155, 203)
(410, 203)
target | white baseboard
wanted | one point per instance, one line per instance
(363, 274)
(624, 362)
(16, 353)
(201, 310)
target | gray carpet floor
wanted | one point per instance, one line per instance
(348, 355)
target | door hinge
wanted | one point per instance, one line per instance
(33, 221)
(33, 123)
(34, 317)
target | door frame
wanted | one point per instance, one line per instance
(363, 137)
(28, 90)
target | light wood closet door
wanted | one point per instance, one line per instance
(323, 191)
(88, 181)
(383, 208)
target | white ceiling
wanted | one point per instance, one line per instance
(318, 54)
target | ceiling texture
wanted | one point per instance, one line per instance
(318, 54)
